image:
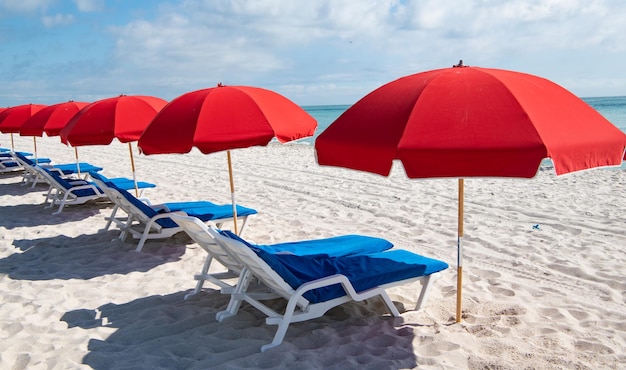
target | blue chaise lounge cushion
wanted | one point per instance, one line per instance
(336, 246)
(365, 271)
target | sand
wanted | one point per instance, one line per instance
(544, 269)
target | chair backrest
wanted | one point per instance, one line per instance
(23, 160)
(199, 232)
(134, 206)
(257, 266)
(130, 201)
(53, 178)
(10, 163)
(102, 182)
(100, 179)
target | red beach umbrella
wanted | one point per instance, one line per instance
(470, 122)
(11, 119)
(51, 120)
(2, 110)
(224, 118)
(123, 117)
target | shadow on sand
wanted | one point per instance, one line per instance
(166, 332)
(18, 188)
(30, 215)
(84, 257)
(35, 212)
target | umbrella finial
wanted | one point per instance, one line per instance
(460, 64)
(219, 84)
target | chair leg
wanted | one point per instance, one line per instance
(144, 237)
(35, 179)
(61, 204)
(283, 325)
(145, 234)
(243, 224)
(201, 277)
(111, 218)
(427, 283)
(390, 306)
(124, 232)
(48, 195)
(52, 200)
(237, 297)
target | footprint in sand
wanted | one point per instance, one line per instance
(435, 349)
(501, 291)
(583, 345)
(480, 331)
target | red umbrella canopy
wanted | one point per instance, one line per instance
(11, 119)
(223, 118)
(470, 121)
(123, 117)
(51, 119)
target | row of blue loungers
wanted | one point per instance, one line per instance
(312, 275)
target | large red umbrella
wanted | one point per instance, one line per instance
(11, 119)
(224, 118)
(2, 109)
(51, 120)
(122, 117)
(467, 122)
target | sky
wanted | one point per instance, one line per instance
(314, 52)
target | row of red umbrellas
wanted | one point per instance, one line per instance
(213, 119)
(453, 122)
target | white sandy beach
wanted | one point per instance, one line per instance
(550, 297)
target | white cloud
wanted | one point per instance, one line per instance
(89, 5)
(335, 51)
(57, 20)
(358, 43)
(24, 6)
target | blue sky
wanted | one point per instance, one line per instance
(312, 51)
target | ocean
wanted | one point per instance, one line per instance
(612, 108)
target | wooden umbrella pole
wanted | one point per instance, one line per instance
(77, 163)
(35, 148)
(132, 166)
(459, 277)
(232, 191)
(12, 145)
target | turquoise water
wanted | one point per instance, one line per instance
(612, 108)
(325, 115)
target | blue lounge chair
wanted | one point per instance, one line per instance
(65, 169)
(10, 163)
(146, 221)
(68, 191)
(339, 246)
(313, 284)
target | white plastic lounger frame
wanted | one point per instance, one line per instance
(31, 175)
(9, 164)
(298, 308)
(141, 226)
(198, 231)
(34, 177)
(59, 194)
